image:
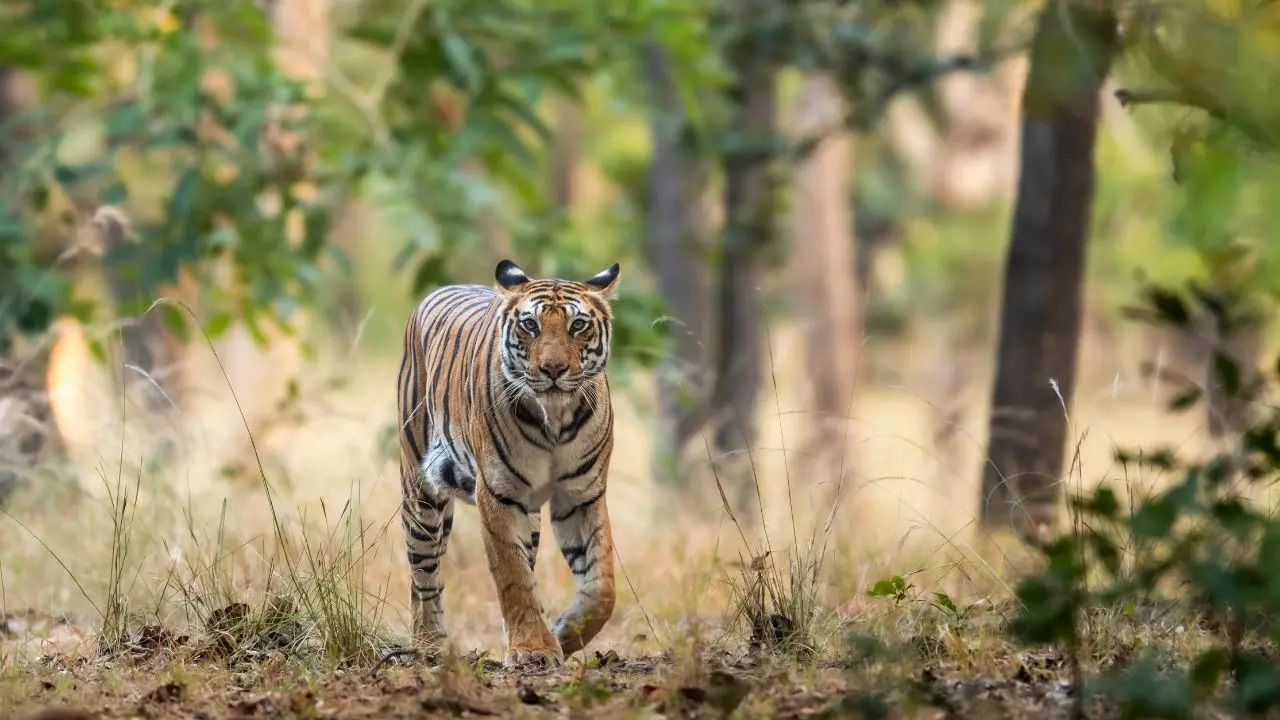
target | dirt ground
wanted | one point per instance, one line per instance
(157, 675)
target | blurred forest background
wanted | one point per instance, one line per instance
(878, 251)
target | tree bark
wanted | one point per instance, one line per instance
(566, 153)
(823, 262)
(676, 181)
(1071, 55)
(749, 228)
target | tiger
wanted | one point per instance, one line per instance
(504, 404)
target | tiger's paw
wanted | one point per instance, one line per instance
(548, 657)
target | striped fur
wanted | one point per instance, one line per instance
(504, 404)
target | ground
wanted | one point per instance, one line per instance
(296, 536)
(901, 659)
(166, 681)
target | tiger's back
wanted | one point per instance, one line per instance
(504, 403)
(447, 341)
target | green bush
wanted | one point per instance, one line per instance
(1201, 542)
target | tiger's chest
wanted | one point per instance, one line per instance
(527, 453)
(556, 435)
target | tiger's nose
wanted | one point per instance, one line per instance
(553, 369)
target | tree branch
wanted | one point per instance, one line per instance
(1186, 98)
(1190, 94)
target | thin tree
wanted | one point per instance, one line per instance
(822, 259)
(749, 229)
(675, 183)
(1071, 54)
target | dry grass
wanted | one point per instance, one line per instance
(313, 547)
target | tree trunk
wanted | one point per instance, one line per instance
(566, 153)
(675, 182)
(749, 220)
(823, 263)
(1071, 54)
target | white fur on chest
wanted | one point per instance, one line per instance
(543, 468)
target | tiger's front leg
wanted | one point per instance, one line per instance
(508, 535)
(581, 525)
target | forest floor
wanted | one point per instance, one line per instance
(158, 551)
(960, 670)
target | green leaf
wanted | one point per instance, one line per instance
(81, 310)
(882, 588)
(945, 601)
(66, 174)
(35, 317)
(218, 325)
(98, 350)
(1154, 520)
(1156, 517)
(430, 272)
(114, 194)
(462, 61)
(129, 120)
(1106, 551)
(183, 197)
(1103, 503)
(1227, 372)
(1168, 306)
(341, 260)
(176, 320)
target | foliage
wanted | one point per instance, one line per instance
(1219, 58)
(1203, 538)
(232, 172)
(190, 128)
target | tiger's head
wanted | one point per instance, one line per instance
(554, 333)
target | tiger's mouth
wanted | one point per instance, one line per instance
(559, 386)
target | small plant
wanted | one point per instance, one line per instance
(1200, 543)
(780, 607)
(894, 587)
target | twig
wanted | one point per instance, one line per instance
(1164, 63)
(391, 655)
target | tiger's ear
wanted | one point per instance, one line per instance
(606, 281)
(509, 275)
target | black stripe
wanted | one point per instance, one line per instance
(421, 534)
(579, 507)
(525, 419)
(573, 553)
(448, 474)
(586, 567)
(506, 459)
(408, 410)
(581, 415)
(424, 501)
(512, 502)
(587, 464)
(458, 342)
(424, 563)
(422, 593)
